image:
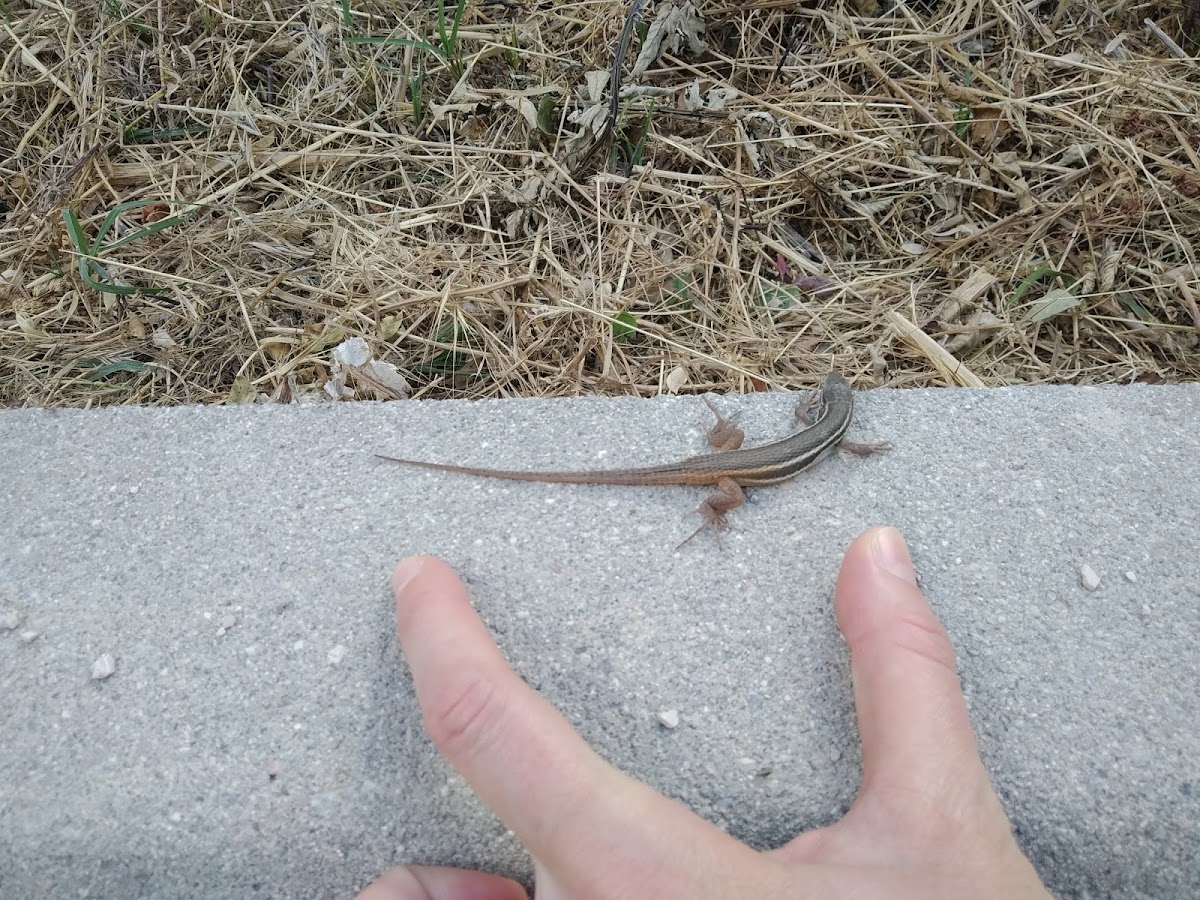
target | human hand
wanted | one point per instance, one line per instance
(926, 822)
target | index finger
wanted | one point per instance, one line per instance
(912, 717)
(518, 753)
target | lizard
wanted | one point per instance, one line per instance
(728, 470)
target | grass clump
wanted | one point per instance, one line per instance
(930, 193)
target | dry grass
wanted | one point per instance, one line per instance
(954, 191)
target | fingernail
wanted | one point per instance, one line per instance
(406, 570)
(890, 553)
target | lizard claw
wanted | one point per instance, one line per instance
(728, 496)
(713, 519)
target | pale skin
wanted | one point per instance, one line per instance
(925, 824)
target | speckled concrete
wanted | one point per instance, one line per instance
(259, 736)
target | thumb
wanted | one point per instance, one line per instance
(911, 713)
(923, 778)
(439, 883)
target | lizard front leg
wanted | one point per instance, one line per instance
(804, 414)
(805, 407)
(728, 496)
(724, 435)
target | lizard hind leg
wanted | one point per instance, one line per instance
(728, 496)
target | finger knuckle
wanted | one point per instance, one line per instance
(924, 636)
(464, 714)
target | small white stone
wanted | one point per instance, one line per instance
(30, 636)
(228, 621)
(103, 667)
(1131, 577)
(669, 718)
(336, 654)
(1088, 577)
(9, 618)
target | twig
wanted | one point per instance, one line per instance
(787, 51)
(951, 368)
(614, 87)
(1163, 38)
(1189, 300)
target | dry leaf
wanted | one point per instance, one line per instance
(988, 126)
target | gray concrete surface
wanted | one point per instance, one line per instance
(260, 737)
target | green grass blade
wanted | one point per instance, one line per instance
(458, 17)
(396, 42)
(75, 233)
(441, 22)
(100, 371)
(1033, 278)
(160, 135)
(106, 226)
(95, 276)
(145, 230)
